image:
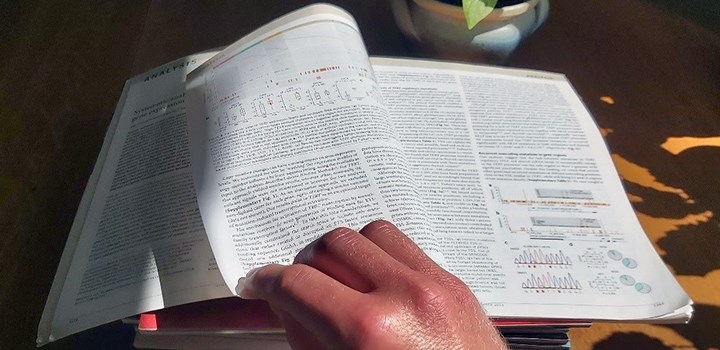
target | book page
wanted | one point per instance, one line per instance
(522, 193)
(290, 139)
(137, 243)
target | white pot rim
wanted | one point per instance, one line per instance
(455, 12)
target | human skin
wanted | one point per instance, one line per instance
(373, 289)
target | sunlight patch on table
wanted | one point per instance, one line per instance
(635, 199)
(676, 145)
(607, 99)
(702, 289)
(605, 131)
(636, 174)
(657, 228)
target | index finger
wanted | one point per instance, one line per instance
(353, 259)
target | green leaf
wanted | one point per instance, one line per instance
(476, 10)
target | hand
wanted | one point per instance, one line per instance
(374, 289)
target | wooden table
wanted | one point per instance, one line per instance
(63, 66)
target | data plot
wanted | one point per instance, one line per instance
(643, 288)
(534, 257)
(321, 94)
(557, 228)
(288, 101)
(563, 193)
(283, 73)
(565, 222)
(630, 263)
(264, 105)
(604, 284)
(614, 254)
(593, 258)
(350, 90)
(509, 195)
(295, 98)
(627, 280)
(548, 281)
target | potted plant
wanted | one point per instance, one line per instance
(481, 30)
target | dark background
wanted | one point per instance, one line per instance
(63, 65)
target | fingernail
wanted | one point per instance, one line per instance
(245, 285)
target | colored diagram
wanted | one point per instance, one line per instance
(550, 281)
(540, 257)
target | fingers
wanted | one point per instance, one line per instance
(412, 301)
(314, 299)
(352, 259)
(325, 262)
(398, 245)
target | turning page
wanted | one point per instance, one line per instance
(290, 138)
(522, 193)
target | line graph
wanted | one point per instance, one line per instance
(540, 257)
(555, 227)
(578, 198)
(550, 281)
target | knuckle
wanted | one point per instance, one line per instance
(465, 297)
(379, 230)
(305, 255)
(290, 278)
(377, 226)
(428, 296)
(338, 236)
(369, 325)
(463, 294)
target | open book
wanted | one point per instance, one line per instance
(224, 161)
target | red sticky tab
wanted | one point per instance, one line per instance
(148, 322)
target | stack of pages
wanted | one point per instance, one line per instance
(233, 323)
(221, 162)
